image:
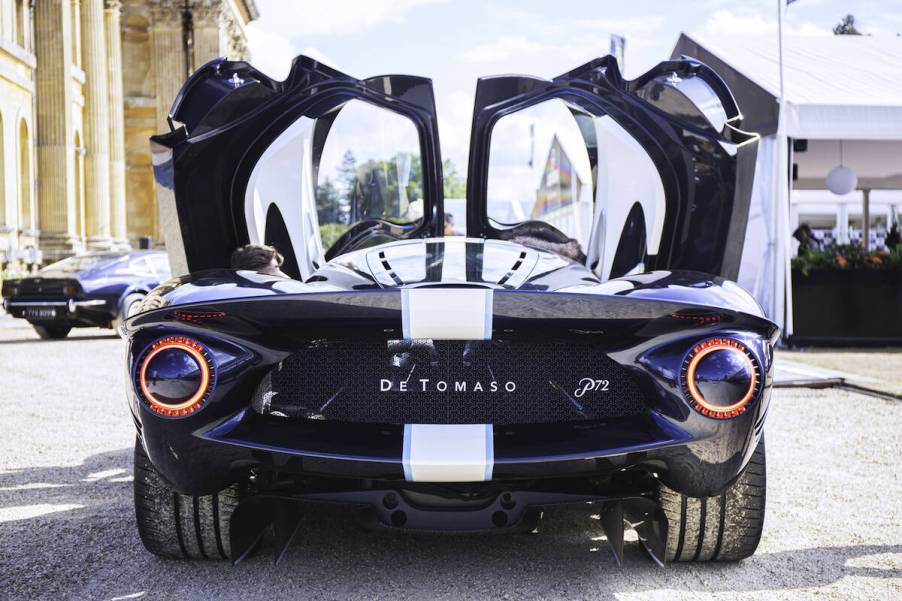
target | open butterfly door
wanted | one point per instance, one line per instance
(651, 173)
(318, 164)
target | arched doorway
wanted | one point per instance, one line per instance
(25, 204)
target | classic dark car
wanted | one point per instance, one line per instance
(92, 290)
(583, 343)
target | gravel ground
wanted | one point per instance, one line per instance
(881, 367)
(833, 529)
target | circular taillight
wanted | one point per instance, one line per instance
(720, 377)
(175, 376)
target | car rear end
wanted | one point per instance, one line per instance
(559, 398)
(49, 300)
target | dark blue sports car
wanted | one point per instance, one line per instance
(582, 342)
(93, 290)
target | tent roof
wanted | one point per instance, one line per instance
(836, 86)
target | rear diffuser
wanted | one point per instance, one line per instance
(509, 511)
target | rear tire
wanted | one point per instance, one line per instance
(48, 331)
(726, 527)
(179, 526)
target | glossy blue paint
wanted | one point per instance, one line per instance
(646, 323)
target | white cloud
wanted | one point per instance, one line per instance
(270, 51)
(628, 26)
(727, 22)
(573, 41)
(503, 48)
(455, 117)
(334, 16)
(517, 53)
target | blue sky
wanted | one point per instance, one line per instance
(456, 42)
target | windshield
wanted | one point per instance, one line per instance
(82, 263)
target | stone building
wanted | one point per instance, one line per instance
(83, 84)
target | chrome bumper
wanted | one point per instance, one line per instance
(72, 305)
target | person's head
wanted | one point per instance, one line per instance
(449, 224)
(802, 233)
(258, 257)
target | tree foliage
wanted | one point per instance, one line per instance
(372, 189)
(455, 184)
(846, 26)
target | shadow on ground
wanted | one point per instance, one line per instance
(69, 532)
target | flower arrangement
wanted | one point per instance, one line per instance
(848, 256)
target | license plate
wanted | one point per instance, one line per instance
(40, 312)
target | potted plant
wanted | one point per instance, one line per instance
(844, 292)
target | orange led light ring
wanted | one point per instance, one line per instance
(193, 349)
(697, 395)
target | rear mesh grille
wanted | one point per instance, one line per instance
(448, 382)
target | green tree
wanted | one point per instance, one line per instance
(846, 26)
(380, 186)
(328, 202)
(415, 178)
(347, 172)
(348, 187)
(455, 185)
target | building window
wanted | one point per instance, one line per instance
(24, 178)
(21, 22)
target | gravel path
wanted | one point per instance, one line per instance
(833, 529)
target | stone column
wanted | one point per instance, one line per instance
(117, 124)
(232, 41)
(168, 56)
(206, 16)
(54, 139)
(75, 33)
(96, 125)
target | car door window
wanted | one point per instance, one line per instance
(369, 169)
(357, 164)
(584, 176)
(539, 170)
(160, 265)
(140, 267)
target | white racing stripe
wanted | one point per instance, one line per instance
(448, 453)
(447, 313)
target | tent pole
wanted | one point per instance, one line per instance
(781, 4)
(782, 271)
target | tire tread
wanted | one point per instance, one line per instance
(725, 527)
(179, 526)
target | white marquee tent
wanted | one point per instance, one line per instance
(846, 88)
